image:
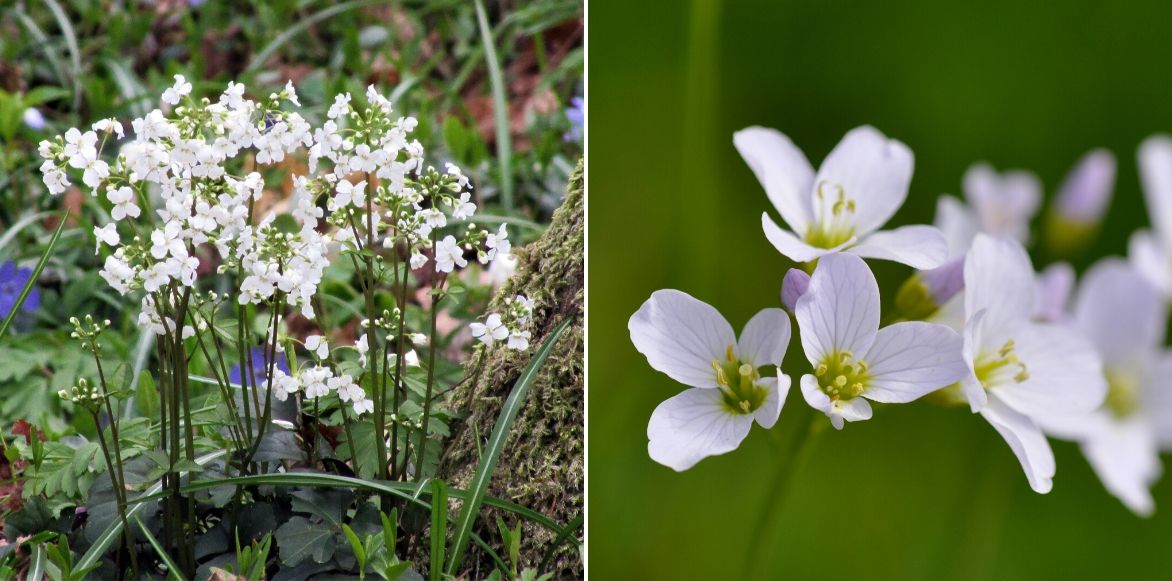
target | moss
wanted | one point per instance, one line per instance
(542, 464)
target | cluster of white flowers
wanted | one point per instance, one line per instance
(319, 381)
(989, 332)
(511, 327)
(183, 193)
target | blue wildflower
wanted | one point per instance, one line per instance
(12, 281)
(260, 368)
(576, 114)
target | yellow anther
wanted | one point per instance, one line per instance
(840, 381)
(1007, 348)
(745, 406)
(1022, 375)
(862, 365)
(746, 370)
(837, 208)
(850, 206)
(821, 370)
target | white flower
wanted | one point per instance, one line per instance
(853, 359)
(519, 340)
(1054, 285)
(123, 200)
(1123, 317)
(109, 125)
(1022, 372)
(318, 345)
(363, 347)
(998, 204)
(693, 344)
(859, 187)
(168, 240)
(498, 244)
(411, 359)
(348, 194)
(180, 89)
(107, 234)
(449, 255)
(54, 178)
(364, 406)
(492, 329)
(464, 209)
(291, 93)
(418, 260)
(341, 106)
(419, 339)
(501, 269)
(1151, 252)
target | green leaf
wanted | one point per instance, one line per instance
(496, 443)
(439, 528)
(300, 537)
(500, 107)
(146, 397)
(355, 545)
(173, 570)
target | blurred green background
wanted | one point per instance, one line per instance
(919, 492)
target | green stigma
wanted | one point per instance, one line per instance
(1002, 366)
(841, 377)
(737, 381)
(1122, 393)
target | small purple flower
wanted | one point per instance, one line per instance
(1054, 286)
(576, 114)
(1085, 193)
(260, 367)
(793, 286)
(12, 281)
(33, 118)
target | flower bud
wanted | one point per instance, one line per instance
(1054, 286)
(1081, 202)
(928, 290)
(793, 286)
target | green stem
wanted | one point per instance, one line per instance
(420, 452)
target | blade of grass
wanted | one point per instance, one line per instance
(500, 108)
(491, 219)
(71, 44)
(259, 60)
(439, 528)
(565, 535)
(173, 570)
(32, 280)
(496, 442)
(42, 40)
(37, 565)
(20, 224)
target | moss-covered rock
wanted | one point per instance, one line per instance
(541, 466)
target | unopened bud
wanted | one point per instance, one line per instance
(1054, 286)
(793, 286)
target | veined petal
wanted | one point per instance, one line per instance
(998, 278)
(793, 247)
(777, 388)
(1119, 312)
(782, 169)
(1150, 259)
(1026, 440)
(912, 359)
(1127, 461)
(692, 426)
(958, 223)
(764, 338)
(1065, 374)
(870, 169)
(970, 387)
(839, 412)
(1155, 171)
(921, 247)
(840, 311)
(681, 336)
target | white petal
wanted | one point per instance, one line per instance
(1065, 373)
(692, 426)
(782, 169)
(912, 359)
(1151, 260)
(1005, 203)
(793, 247)
(1026, 440)
(872, 170)
(958, 223)
(1155, 165)
(998, 278)
(764, 338)
(1119, 312)
(777, 388)
(681, 336)
(840, 311)
(1127, 461)
(1054, 285)
(921, 247)
(1157, 400)
(970, 387)
(839, 412)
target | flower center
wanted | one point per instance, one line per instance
(1001, 366)
(834, 224)
(738, 384)
(1122, 393)
(841, 377)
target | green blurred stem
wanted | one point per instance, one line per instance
(789, 462)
